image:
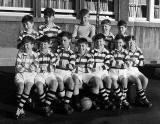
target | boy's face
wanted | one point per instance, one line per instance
(45, 45)
(82, 47)
(48, 19)
(99, 43)
(106, 27)
(28, 46)
(28, 25)
(65, 42)
(85, 18)
(122, 29)
(132, 44)
(119, 44)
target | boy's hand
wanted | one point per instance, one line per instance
(70, 66)
(119, 63)
(93, 69)
(44, 68)
(64, 63)
(38, 70)
(124, 66)
(23, 64)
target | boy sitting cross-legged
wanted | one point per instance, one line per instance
(63, 70)
(46, 78)
(118, 71)
(26, 66)
(101, 66)
(134, 75)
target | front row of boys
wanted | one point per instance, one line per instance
(65, 72)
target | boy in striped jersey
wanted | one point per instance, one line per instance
(46, 78)
(26, 66)
(81, 72)
(28, 25)
(134, 75)
(49, 28)
(118, 71)
(63, 70)
(101, 66)
(83, 75)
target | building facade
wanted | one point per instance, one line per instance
(142, 16)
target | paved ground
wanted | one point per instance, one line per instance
(137, 115)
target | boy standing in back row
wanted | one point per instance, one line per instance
(49, 28)
(109, 37)
(28, 25)
(122, 30)
(84, 29)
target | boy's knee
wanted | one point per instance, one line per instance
(28, 85)
(39, 85)
(107, 80)
(146, 79)
(70, 83)
(95, 82)
(53, 83)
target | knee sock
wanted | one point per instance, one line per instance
(50, 97)
(23, 99)
(104, 93)
(125, 92)
(141, 94)
(18, 97)
(61, 94)
(42, 98)
(68, 96)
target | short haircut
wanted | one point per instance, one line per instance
(128, 38)
(106, 21)
(122, 23)
(27, 18)
(118, 37)
(98, 36)
(83, 12)
(45, 38)
(49, 12)
(82, 40)
(66, 34)
(28, 39)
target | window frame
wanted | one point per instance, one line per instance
(16, 11)
(102, 14)
(151, 12)
(140, 19)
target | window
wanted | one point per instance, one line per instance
(106, 7)
(138, 10)
(61, 7)
(154, 11)
(157, 9)
(18, 7)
